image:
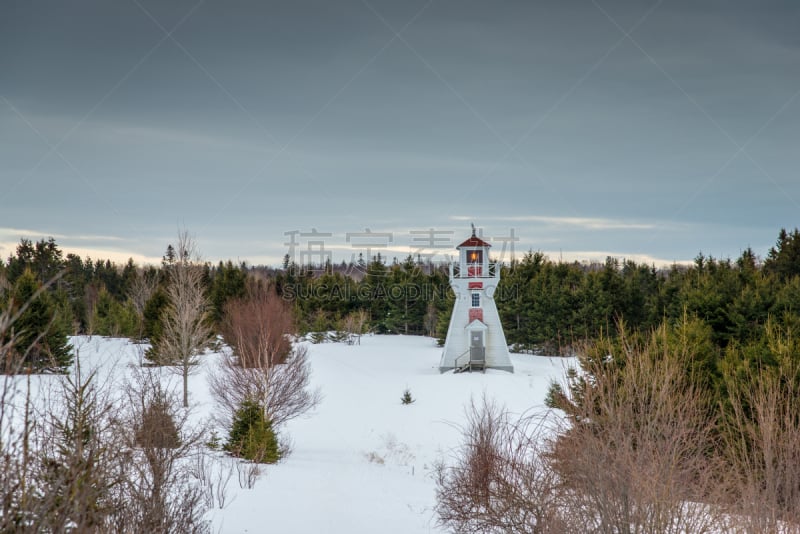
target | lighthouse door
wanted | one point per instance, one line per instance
(477, 351)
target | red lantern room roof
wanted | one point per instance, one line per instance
(474, 241)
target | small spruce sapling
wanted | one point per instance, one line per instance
(252, 436)
(214, 441)
(407, 398)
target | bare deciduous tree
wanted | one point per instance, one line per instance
(262, 367)
(257, 327)
(141, 289)
(186, 325)
(430, 320)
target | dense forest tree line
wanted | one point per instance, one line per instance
(555, 305)
(544, 305)
(71, 295)
(550, 306)
(403, 298)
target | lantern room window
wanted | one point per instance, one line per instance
(475, 256)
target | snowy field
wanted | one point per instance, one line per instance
(361, 461)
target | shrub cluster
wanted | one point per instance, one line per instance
(644, 443)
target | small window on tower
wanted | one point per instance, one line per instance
(476, 300)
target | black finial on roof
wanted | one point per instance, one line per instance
(473, 229)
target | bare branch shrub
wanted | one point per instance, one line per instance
(763, 445)
(638, 451)
(75, 458)
(499, 482)
(16, 463)
(158, 487)
(354, 324)
(213, 478)
(248, 474)
(283, 389)
(23, 505)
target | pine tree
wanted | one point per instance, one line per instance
(373, 292)
(152, 316)
(23, 259)
(41, 332)
(112, 318)
(443, 321)
(78, 475)
(228, 282)
(252, 436)
(169, 256)
(783, 259)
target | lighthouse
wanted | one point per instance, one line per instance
(475, 338)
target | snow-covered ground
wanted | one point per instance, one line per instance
(361, 461)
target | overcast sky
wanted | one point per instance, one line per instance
(640, 129)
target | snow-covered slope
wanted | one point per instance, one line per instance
(361, 462)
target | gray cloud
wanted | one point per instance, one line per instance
(266, 117)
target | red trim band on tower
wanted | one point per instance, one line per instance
(476, 313)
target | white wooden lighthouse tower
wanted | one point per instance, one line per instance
(475, 338)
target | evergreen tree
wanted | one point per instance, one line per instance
(23, 259)
(406, 303)
(77, 475)
(153, 310)
(4, 284)
(127, 278)
(373, 294)
(47, 259)
(228, 281)
(112, 318)
(445, 314)
(77, 276)
(169, 256)
(514, 300)
(783, 260)
(252, 436)
(42, 342)
(43, 258)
